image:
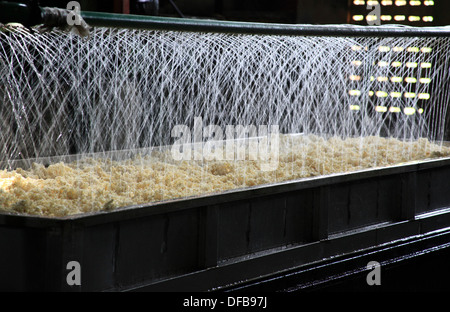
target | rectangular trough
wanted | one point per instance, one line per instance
(211, 242)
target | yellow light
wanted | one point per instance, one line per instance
(398, 49)
(358, 18)
(420, 110)
(371, 93)
(414, 18)
(396, 94)
(383, 63)
(396, 64)
(354, 107)
(386, 2)
(396, 79)
(381, 94)
(413, 49)
(410, 80)
(414, 3)
(426, 50)
(399, 18)
(424, 80)
(425, 65)
(410, 95)
(394, 109)
(372, 2)
(359, 2)
(411, 64)
(372, 78)
(384, 49)
(354, 92)
(371, 17)
(409, 110)
(400, 2)
(428, 3)
(424, 96)
(356, 63)
(428, 18)
(386, 18)
(356, 48)
(355, 77)
(381, 109)
(382, 79)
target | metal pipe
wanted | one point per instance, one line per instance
(202, 25)
(29, 16)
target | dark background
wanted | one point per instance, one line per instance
(280, 11)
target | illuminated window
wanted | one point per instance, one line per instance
(413, 49)
(371, 18)
(409, 110)
(424, 96)
(354, 92)
(424, 80)
(401, 11)
(395, 75)
(381, 94)
(381, 109)
(400, 2)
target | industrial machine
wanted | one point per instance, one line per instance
(312, 232)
